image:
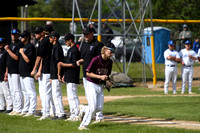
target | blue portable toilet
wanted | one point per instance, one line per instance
(161, 38)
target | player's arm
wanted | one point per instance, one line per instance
(12, 55)
(92, 75)
(172, 58)
(37, 62)
(192, 57)
(6, 75)
(39, 72)
(21, 51)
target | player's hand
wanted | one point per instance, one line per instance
(6, 47)
(104, 77)
(32, 73)
(78, 63)
(63, 79)
(190, 56)
(182, 63)
(6, 77)
(37, 75)
(59, 78)
(21, 50)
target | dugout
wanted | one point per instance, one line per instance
(161, 38)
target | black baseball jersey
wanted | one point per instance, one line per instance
(57, 56)
(88, 51)
(72, 73)
(13, 65)
(24, 67)
(3, 64)
(44, 51)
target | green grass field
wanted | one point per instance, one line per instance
(154, 105)
(166, 107)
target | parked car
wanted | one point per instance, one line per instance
(64, 46)
(129, 47)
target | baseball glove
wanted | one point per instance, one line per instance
(109, 85)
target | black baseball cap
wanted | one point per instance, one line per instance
(47, 28)
(55, 34)
(38, 30)
(69, 36)
(111, 46)
(87, 30)
(25, 34)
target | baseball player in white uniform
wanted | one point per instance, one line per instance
(199, 57)
(171, 58)
(188, 57)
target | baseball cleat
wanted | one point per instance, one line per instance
(83, 128)
(14, 113)
(97, 121)
(43, 118)
(81, 113)
(28, 114)
(191, 93)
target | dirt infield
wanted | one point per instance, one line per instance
(139, 120)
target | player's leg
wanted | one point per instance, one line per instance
(100, 103)
(2, 99)
(8, 97)
(174, 78)
(92, 102)
(30, 88)
(168, 75)
(57, 97)
(190, 78)
(73, 101)
(17, 92)
(25, 96)
(184, 79)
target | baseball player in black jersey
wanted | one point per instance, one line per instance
(5, 95)
(13, 72)
(26, 64)
(90, 48)
(56, 57)
(44, 59)
(71, 76)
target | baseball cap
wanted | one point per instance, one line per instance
(69, 36)
(87, 30)
(25, 34)
(171, 42)
(185, 26)
(38, 30)
(15, 31)
(187, 42)
(47, 28)
(55, 34)
(111, 47)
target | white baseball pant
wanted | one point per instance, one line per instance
(57, 97)
(42, 95)
(187, 74)
(99, 115)
(73, 99)
(47, 90)
(16, 93)
(5, 96)
(170, 73)
(30, 95)
(95, 102)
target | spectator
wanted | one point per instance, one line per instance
(106, 30)
(196, 45)
(185, 35)
(177, 40)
